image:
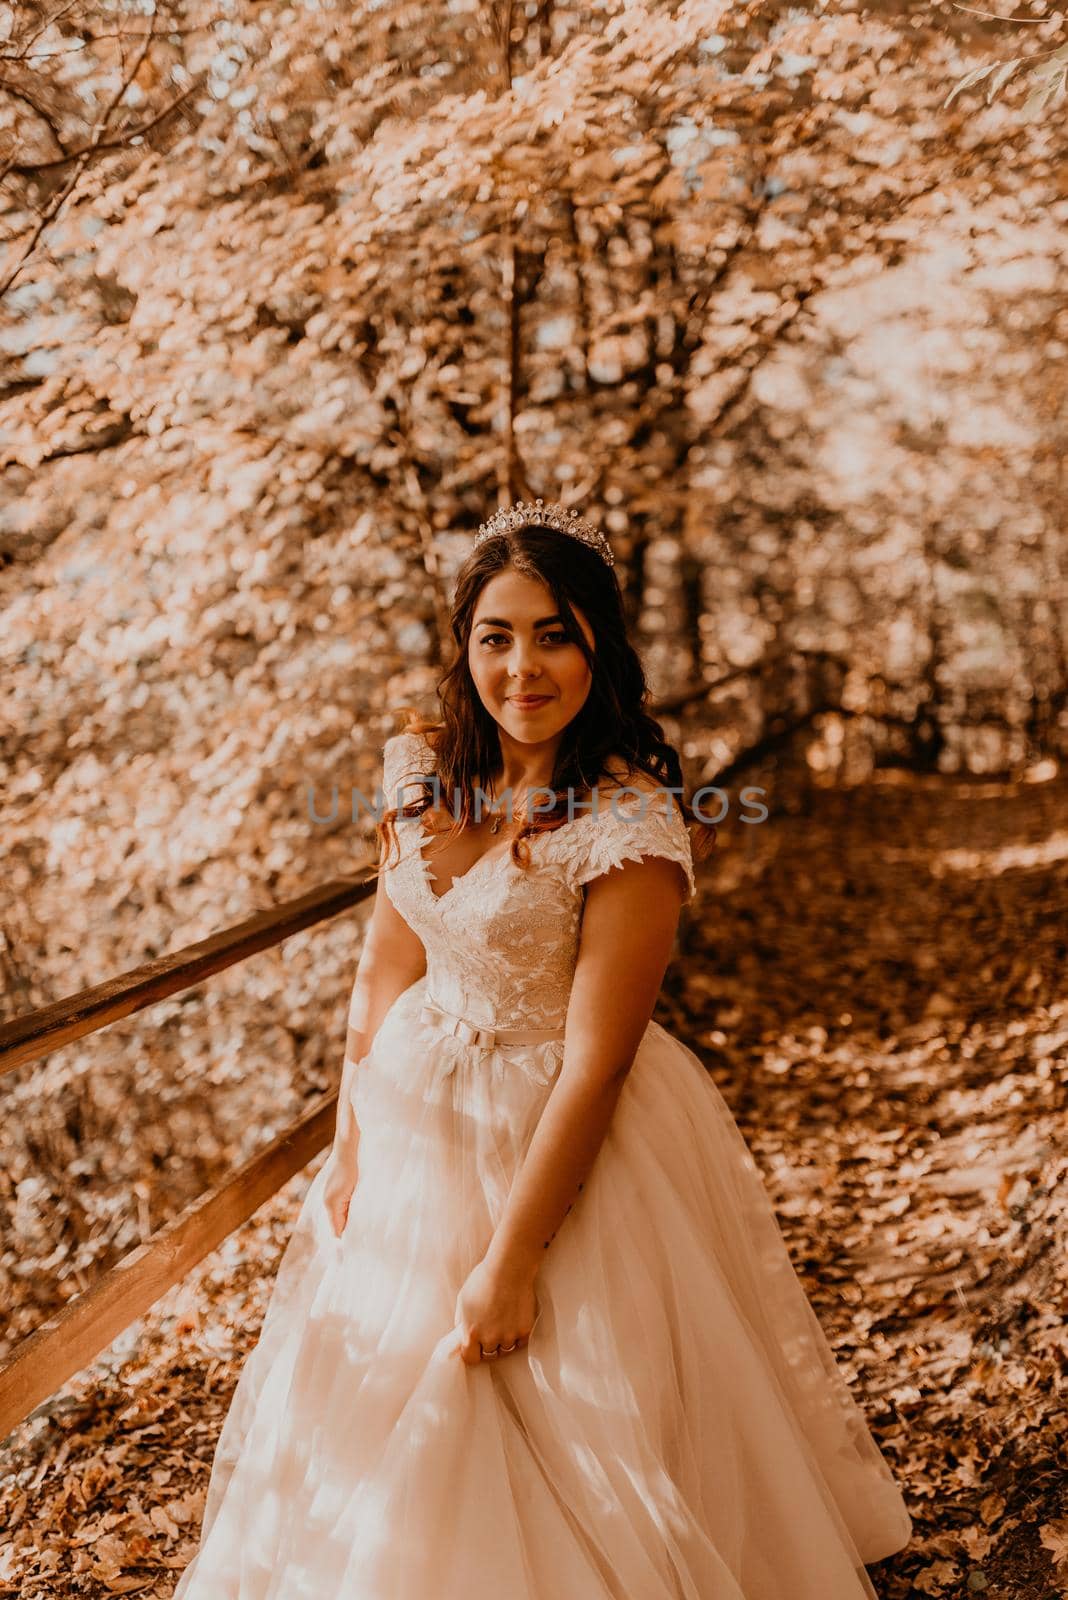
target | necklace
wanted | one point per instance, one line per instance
(498, 818)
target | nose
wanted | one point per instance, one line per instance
(523, 664)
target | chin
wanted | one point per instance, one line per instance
(535, 725)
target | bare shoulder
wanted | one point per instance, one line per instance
(624, 776)
(627, 781)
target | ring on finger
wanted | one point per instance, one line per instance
(498, 1350)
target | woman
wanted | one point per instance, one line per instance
(536, 1335)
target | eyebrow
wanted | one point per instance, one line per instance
(502, 622)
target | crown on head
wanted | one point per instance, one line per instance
(553, 515)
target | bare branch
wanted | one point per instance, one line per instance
(38, 109)
(81, 161)
(121, 141)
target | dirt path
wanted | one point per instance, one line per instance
(876, 981)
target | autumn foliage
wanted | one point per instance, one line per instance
(292, 297)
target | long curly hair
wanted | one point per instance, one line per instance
(612, 726)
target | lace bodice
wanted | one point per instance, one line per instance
(502, 940)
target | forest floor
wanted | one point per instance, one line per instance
(876, 980)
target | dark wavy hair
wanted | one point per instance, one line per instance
(613, 723)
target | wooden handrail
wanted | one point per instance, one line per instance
(35, 1033)
(68, 1341)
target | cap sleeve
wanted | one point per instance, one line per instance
(627, 827)
(404, 756)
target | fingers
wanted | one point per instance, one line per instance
(338, 1212)
(470, 1350)
(473, 1351)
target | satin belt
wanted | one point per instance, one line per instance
(471, 1033)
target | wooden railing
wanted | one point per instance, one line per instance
(68, 1341)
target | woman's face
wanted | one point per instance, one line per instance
(518, 648)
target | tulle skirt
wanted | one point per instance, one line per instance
(675, 1429)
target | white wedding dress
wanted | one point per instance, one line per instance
(675, 1429)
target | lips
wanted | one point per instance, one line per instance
(528, 702)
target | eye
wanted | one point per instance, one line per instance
(552, 636)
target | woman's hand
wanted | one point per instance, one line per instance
(341, 1174)
(494, 1309)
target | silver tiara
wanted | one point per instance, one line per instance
(522, 514)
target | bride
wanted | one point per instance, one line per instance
(536, 1334)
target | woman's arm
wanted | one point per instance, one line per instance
(628, 928)
(392, 958)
